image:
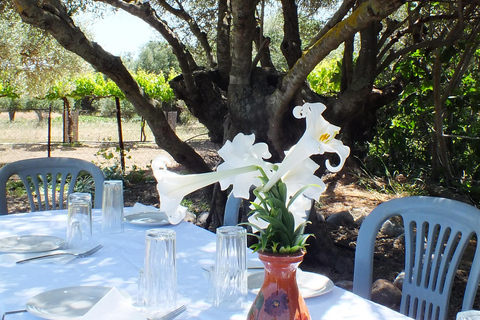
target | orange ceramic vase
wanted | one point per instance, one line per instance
(279, 297)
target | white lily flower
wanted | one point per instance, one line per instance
(241, 152)
(318, 138)
(172, 187)
(302, 175)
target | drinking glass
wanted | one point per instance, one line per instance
(160, 272)
(112, 206)
(230, 278)
(79, 220)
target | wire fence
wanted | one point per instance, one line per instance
(38, 133)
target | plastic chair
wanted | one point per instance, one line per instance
(48, 179)
(437, 231)
(232, 210)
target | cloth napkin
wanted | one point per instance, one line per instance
(113, 306)
(173, 218)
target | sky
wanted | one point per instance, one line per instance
(121, 32)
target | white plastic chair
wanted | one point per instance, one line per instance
(49, 181)
(437, 231)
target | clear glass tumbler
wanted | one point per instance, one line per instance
(79, 220)
(230, 277)
(160, 272)
(112, 206)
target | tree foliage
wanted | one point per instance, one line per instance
(30, 59)
(415, 51)
(156, 58)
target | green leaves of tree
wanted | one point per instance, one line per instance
(95, 85)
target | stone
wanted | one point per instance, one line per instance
(190, 217)
(359, 220)
(399, 242)
(202, 218)
(392, 229)
(345, 284)
(342, 218)
(319, 217)
(398, 282)
(385, 293)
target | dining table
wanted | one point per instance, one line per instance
(120, 261)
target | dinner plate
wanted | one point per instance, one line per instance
(310, 284)
(65, 303)
(30, 243)
(150, 218)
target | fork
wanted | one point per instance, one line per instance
(12, 312)
(77, 255)
(168, 316)
(171, 314)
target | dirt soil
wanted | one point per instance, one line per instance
(343, 194)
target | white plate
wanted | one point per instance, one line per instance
(65, 303)
(152, 218)
(30, 243)
(310, 284)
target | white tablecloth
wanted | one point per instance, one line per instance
(118, 264)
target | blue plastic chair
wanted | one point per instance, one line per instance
(437, 231)
(48, 181)
(232, 210)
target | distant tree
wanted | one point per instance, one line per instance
(155, 57)
(31, 59)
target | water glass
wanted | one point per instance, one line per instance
(79, 220)
(160, 272)
(112, 206)
(230, 278)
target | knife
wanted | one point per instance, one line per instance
(55, 254)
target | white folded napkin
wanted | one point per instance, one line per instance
(173, 218)
(113, 306)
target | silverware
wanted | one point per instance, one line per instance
(12, 312)
(256, 268)
(172, 314)
(54, 254)
(248, 268)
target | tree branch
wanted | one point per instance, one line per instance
(197, 32)
(291, 45)
(277, 103)
(52, 17)
(223, 39)
(337, 17)
(145, 12)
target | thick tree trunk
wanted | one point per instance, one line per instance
(211, 106)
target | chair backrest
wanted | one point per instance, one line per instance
(232, 210)
(49, 181)
(437, 231)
